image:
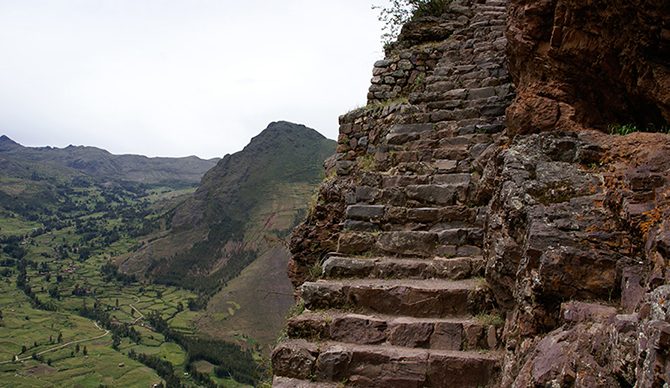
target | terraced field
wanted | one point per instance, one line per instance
(49, 276)
(39, 331)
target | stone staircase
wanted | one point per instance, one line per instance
(403, 302)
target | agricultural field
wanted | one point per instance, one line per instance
(60, 348)
(68, 317)
(13, 225)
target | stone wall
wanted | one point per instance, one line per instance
(403, 73)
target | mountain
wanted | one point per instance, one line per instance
(97, 164)
(7, 144)
(235, 224)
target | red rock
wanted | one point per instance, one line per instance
(576, 312)
(294, 359)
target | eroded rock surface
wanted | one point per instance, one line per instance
(588, 64)
(578, 216)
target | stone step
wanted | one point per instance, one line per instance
(392, 268)
(483, 105)
(487, 21)
(445, 194)
(394, 218)
(396, 181)
(493, 7)
(446, 173)
(402, 133)
(411, 168)
(441, 90)
(384, 366)
(391, 225)
(439, 190)
(448, 242)
(491, 11)
(428, 333)
(388, 226)
(452, 152)
(415, 298)
(454, 114)
(445, 191)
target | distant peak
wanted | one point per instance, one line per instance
(282, 123)
(284, 132)
(6, 143)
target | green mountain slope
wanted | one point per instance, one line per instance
(240, 212)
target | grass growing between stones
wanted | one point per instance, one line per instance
(367, 162)
(490, 319)
(379, 106)
(627, 129)
(315, 271)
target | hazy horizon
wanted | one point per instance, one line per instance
(174, 78)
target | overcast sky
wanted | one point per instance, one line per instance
(179, 77)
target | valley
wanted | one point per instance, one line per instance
(58, 282)
(110, 278)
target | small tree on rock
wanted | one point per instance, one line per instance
(399, 12)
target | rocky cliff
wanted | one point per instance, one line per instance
(481, 226)
(576, 230)
(588, 64)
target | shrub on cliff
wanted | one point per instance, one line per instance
(400, 12)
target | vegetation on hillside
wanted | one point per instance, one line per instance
(226, 209)
(63, 238)
(69, 311)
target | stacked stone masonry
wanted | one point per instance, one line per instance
(401, 300)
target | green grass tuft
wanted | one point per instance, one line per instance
(491, 319)
(623, 130)
(627, 129)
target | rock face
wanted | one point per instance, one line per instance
(457, 205)
(588, 64)
(579, 217)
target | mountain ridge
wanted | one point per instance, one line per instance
(100, 164)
